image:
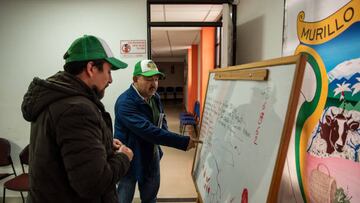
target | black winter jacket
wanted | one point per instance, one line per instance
(71, 155)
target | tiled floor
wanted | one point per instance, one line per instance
(176, 165)
(176, 181)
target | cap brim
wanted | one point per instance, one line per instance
(153, 72)
(116, 63)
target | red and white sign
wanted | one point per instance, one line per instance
(133, 48)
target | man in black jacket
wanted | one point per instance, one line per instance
(73, 157)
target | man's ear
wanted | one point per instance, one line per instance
(135, 78)
(90, 68)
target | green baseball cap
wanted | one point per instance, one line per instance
(92, 48)
(147, 68)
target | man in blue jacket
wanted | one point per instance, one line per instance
(141, 125)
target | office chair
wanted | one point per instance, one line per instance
(190, 119)
(170, 91)
(161, 92)
(5, 158)
(19, 183)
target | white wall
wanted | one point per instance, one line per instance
(259, 30)
(34, 35)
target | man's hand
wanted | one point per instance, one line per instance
(192, 143)
(127, 151)
(119, 147)
(117, 144)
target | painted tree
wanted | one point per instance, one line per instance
(342, 88)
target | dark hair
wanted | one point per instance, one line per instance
(76, 67)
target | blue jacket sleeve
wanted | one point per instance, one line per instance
(137, 122)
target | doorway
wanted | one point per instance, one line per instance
(175, 34)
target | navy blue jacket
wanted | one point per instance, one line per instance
(135, 128)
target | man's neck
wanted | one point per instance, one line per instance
(147, 99)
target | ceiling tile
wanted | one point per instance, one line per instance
(213, 16)
(157, 13)
(190, 16)
(156, 7)
(179, 39)
(182, 38)
(176, 28)
(185, 8)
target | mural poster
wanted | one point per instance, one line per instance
(323, 163)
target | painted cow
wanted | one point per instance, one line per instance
(335, 130)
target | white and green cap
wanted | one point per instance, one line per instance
(92, 48)
(147, 68)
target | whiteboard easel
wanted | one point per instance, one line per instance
(246, 126)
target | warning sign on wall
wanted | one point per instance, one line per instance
(133, 48)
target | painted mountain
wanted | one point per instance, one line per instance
(344, 82)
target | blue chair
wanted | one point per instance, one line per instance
(190, 119)
(190, 114)
(161, 92)
(179, 93)
(170, 91)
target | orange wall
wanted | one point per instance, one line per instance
(192, 81)
(207, 60)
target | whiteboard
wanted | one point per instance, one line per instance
(243, 130)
